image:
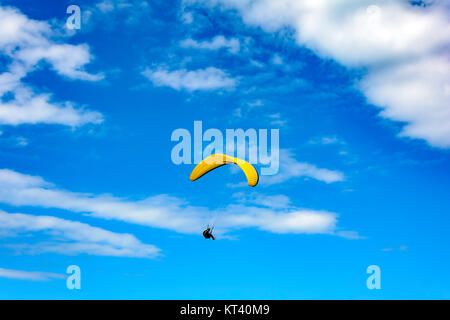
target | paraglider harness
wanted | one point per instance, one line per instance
(208, 233)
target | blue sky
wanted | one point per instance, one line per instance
(361, 104)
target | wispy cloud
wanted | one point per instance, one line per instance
(218, 42)
(326, 140)
(108, 13)
(352, 235)
(270, 201)
(291, 168)
(191, 80)
(25, 43)
(277, 120)
(403, 48)
(401, 248)
(30, 275)
(73, 237)
(163, 211)
(14, 141)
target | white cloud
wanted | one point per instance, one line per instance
(105, 13)
(294, 221)
(163, 211)
(272, 201)
(277, 60)
(203, 79)
(66, 59)
(401, 248)
(277, 120)
(30, 275)
(77, 237)
(33, 109)
(237, 113)
(22, 142)
(25, 43)
(403, 48)
(105, 6)
(187, 17)
(218, 42)
(15, 141)
(255, 104)
(301, 222)
(290, 168)
(417, 93)
(326, 140)
(352, 235)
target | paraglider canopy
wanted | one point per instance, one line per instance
(217, 160)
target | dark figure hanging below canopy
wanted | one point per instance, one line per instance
(208, 234)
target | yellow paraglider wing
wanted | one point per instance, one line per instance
(217, 160)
